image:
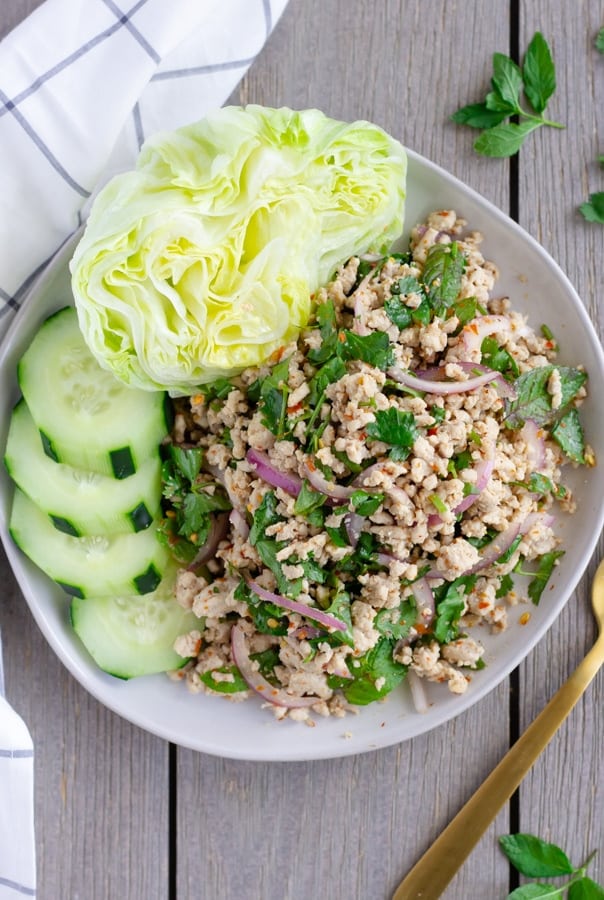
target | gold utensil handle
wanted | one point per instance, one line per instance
(430, 876)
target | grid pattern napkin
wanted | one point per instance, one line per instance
(81, 86)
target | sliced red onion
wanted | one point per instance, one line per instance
(418, 692)
(386, 559)
(306, 633)
(424, 599)
(474, 332)
(337, 493)
(484, 470)
(437, 373)
(532, 435)
(239, 523)
(317, 615)
(208, 550)
(359, 326)
(257, 682)
(431, 386)
(353, 523)
(287, 481)
(537, 519)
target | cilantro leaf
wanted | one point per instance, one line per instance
(593, 209)
(273, 398)
(568, 434)
(373, 348)
(268, 548)
(505, 586)
(450, 604)
(395, 427)
(538, 73)
(365, 503)
(186, 461)
(443, 271)
(467, 308)
(396, 623)
(308, 500)
(326, 320)
(378, 663)
(534, 857)
(340, 608)
(533, 400)
(498, 358)
(543, 574)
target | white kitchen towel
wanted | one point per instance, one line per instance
(82, 83)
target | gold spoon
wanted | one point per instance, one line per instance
(429, 877)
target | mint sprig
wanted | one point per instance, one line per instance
(536, 858)
(536, 79)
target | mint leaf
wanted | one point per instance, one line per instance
(505, 139)
(593, 209)
(273, 398)
(443, 271)
(507, 79)
(585, 889)
(530, 891)
(376, 664)
(600, 40)
(373, 348)
(394, 427)
(538, 73)
(568, 434)
(365, 503)
(478, 115)
(543, 574)
(533, 400)
(308, 500)
(534, 857)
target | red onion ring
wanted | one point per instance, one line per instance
(418, 692)
(239, 523)
(257, 682)
(317, 615)
(336, 493)
(287, 481)
(424, 599)
(430, 386)
(532, 435)
(437, 373)
(353, 523)
(474, 332)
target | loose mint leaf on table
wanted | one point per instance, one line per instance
(536, 80)
(534, 890)
(534, 857)
(593, 209)
(600, 40)
(568, 434)
(585, 889)
(538, 73)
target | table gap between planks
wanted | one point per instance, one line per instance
(121, 813)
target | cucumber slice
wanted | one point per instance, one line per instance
(128, 635)
(87, 418)
(79, 502)
(97, 565)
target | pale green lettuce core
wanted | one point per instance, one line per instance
(202, 261)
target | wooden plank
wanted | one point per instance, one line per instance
(101, 784)
(353, 827)
(557, 173)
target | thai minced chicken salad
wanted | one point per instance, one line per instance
(347, 513)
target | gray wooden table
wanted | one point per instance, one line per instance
(121, 813)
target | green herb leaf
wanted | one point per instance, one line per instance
(505, 139)
(338, 536)
(534, 890)
(187, 460)
(534, 857)
(498, 358)
(600, 40)
(443, 271)
(217, 390)
(467, 308)
(225, 687)
(308, 500)
(505, 586)
(543, 574)
(267, 617)
(325, 315)
(585, 889)
(365, 503)
(329, 373)
(507, 79)
(377, 663)
(478, 115)
(538, 73)
(395, 427)
(593, 209)
(340, 608)
(450, 604)
(533, 400)
(396, 623)
(373, 348)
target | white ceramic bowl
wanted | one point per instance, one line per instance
(536, 286)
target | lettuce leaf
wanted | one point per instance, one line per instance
(202, 260)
